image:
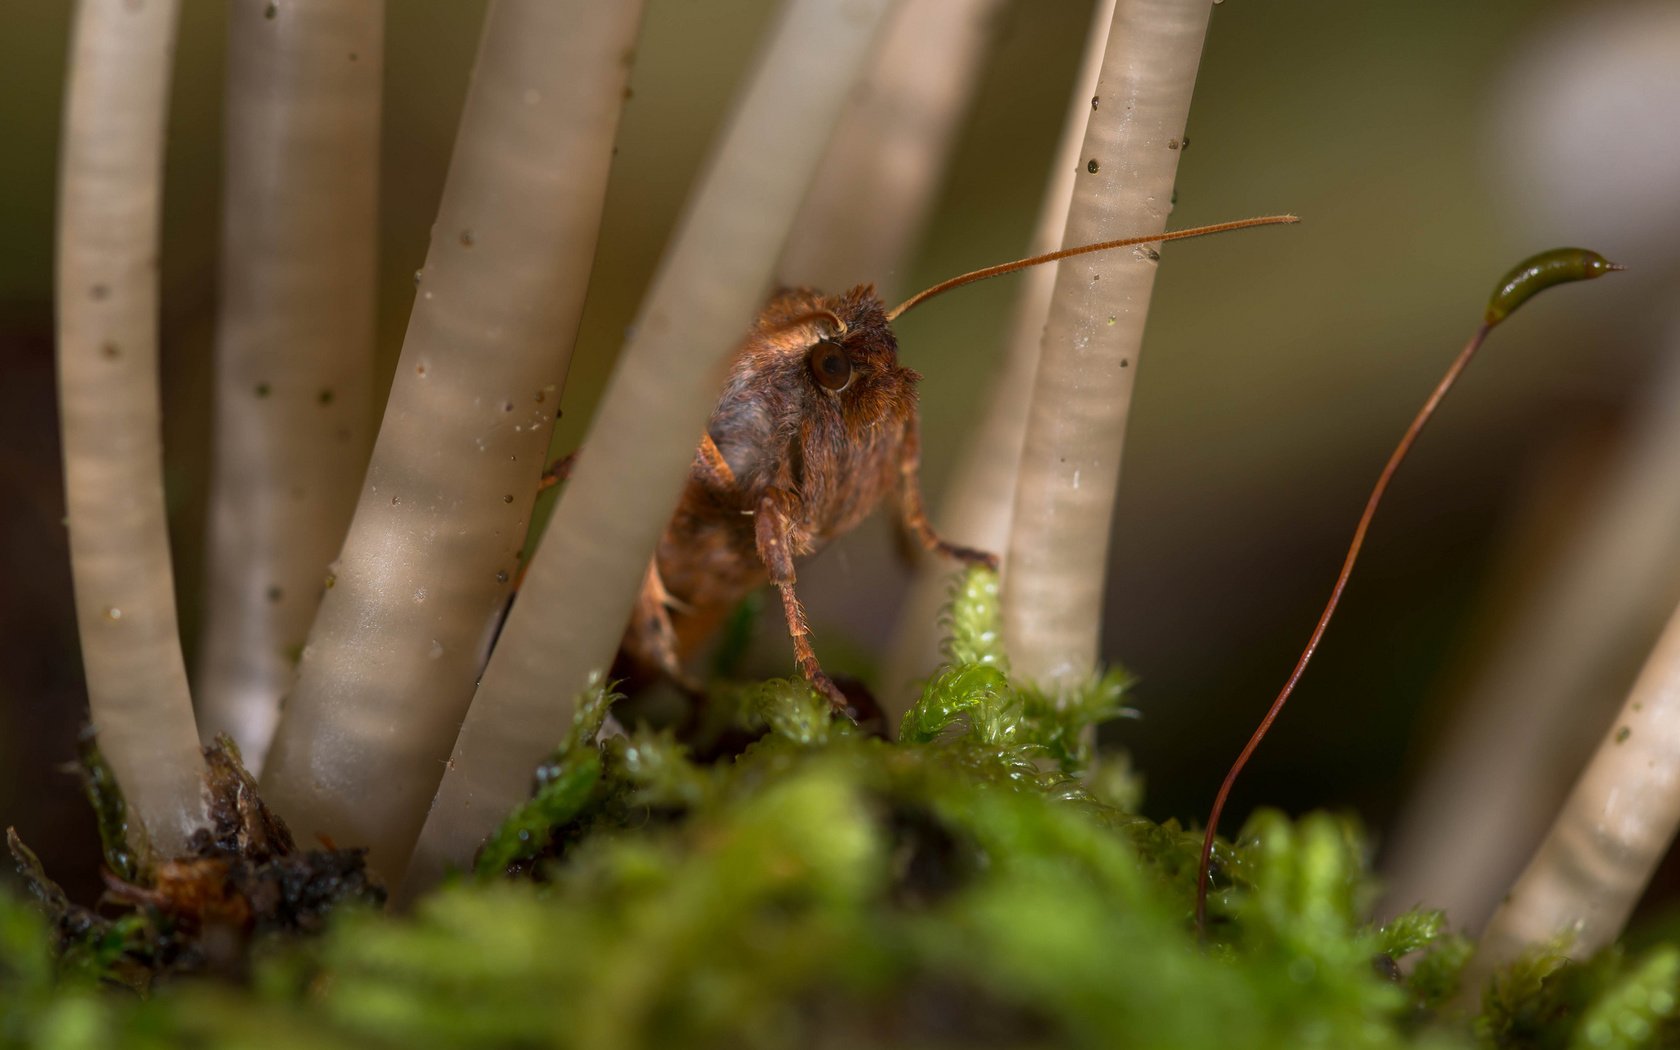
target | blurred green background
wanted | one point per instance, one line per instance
(1279, 369)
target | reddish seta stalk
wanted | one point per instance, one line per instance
(1526, 279)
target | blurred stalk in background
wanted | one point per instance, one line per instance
(881, 171)
(980, 498)
(294, 355)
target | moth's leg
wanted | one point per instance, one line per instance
(777, 542)
(655, 638)
(914, 515)
(710, 466)
(558, 471)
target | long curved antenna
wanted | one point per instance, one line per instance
(1102, 246)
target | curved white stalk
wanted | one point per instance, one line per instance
(1616, 825)
(294, 354)
(577, 596)
(396, 649)
(111, 182)
(1070, 459)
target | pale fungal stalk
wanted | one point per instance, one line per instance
(294, 354)
(577, 596)
(978, 504)
(1526, 722)
(1070, 458)
(111, 181)
(876, 184)
(396, 649)
(1617, 824)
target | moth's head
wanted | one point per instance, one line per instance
(840, 348)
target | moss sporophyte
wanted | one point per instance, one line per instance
(983, 881)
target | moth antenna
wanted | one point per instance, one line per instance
(834, 320)
(1528, 278)
(1066, 253)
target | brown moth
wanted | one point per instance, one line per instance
(817, 424)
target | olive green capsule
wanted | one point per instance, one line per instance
(1539, 272)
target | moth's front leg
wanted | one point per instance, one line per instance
(558, 471)
(914, 515)
(651, 634)
(779, 538)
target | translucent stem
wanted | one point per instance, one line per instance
(396, 649)
(111, 181)
(1070, 460)
(977, 507)
(877, 181)
(1615, 826)
(577, 596)
(294, 354)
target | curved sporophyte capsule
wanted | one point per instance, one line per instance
(1538, 272)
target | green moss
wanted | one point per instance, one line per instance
(126, 850)
(982, 882)
(1605, 1003)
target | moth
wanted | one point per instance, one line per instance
(816, 426)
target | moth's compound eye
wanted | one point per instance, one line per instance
(830, 365)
